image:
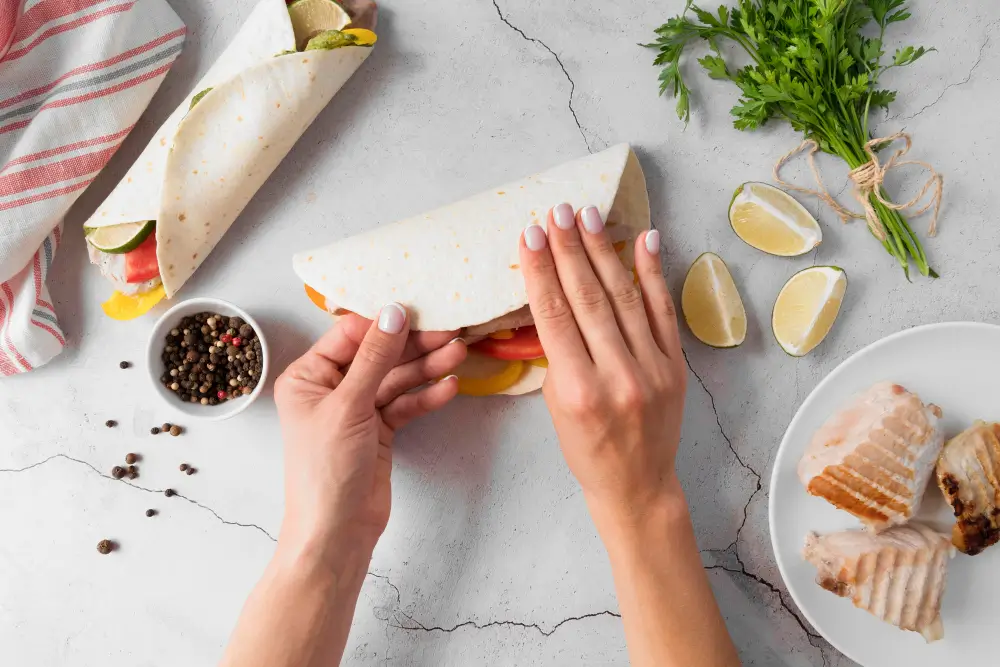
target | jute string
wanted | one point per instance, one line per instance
(868, 180)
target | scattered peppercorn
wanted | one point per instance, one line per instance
(118, 472)
(166, 426)
(123, 365)
(131, 458)
(105, 547)
(183, 467)
(155, 430)
(150, 512)
(169, 492)
(131, 469)
(175, 430)
(191, 471)
(133, 473)
(111, 423)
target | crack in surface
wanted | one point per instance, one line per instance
(572, 84)
(814, 639)
(739, 459)
(968, 77)
(138, 488)
(518, 624)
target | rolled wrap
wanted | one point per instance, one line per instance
(458, 266)
(205, 164)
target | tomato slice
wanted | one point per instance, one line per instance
(140, 264)
(523, 345)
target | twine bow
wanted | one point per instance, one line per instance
(868, 180)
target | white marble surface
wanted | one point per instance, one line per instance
(490, 557)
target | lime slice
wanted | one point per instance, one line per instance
(771, 220)
(806, 308)
(311, 17)
(711, 303)
(119, 239)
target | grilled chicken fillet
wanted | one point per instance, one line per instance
(897, 575)
(968, 473)
(874, 457)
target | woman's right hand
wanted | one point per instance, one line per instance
(617, 376)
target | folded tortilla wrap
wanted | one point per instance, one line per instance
(206, 162)
(457, 267)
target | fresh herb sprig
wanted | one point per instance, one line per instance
(812, 64)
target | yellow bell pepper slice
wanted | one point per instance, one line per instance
(124, 307)
(365, 37)
(316, 297)
(492, 384)
(542, 362)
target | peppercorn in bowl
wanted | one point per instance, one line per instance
(207, 358)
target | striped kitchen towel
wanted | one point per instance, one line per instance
(75, 75)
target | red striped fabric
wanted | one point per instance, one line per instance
(69, 138)
(63, 27)
(45, 195)
(28, 94)
(89, 96)
(55, 172)
(48, 10)
(50, 152)
(5, 327)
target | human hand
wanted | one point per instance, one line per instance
(340, 405)
(617, 378)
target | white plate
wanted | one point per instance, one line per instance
(957, 366)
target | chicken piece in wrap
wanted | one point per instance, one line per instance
(219, 146)
(457, 267)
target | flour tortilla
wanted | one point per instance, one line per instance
(205, 164)
(458, 266)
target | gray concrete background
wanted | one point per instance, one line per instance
(490, 557)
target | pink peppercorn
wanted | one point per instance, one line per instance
(221, 395)
(226, 338)
(237, 341)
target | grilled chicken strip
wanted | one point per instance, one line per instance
(897, 575)
(968, 473)
(874, 457)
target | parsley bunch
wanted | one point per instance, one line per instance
(814, 63)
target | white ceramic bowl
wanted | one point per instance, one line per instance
(154, 364)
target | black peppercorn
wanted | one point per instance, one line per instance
(123, 365)
(118, 472)
(183, 467)
(150, 512)
(169, 492)
(190, 471)
(111, 423)
(155, 430)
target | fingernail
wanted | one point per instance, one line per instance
(592, 220)
(448, 377)
(392, 318)
(563, 216)
(457, 339)
(534, 237)
(653, 242)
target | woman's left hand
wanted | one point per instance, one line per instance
(340, 405)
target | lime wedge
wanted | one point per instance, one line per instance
(806, 308)
(711, 303)
(119, 239)
(771, 220)
(311, 17)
